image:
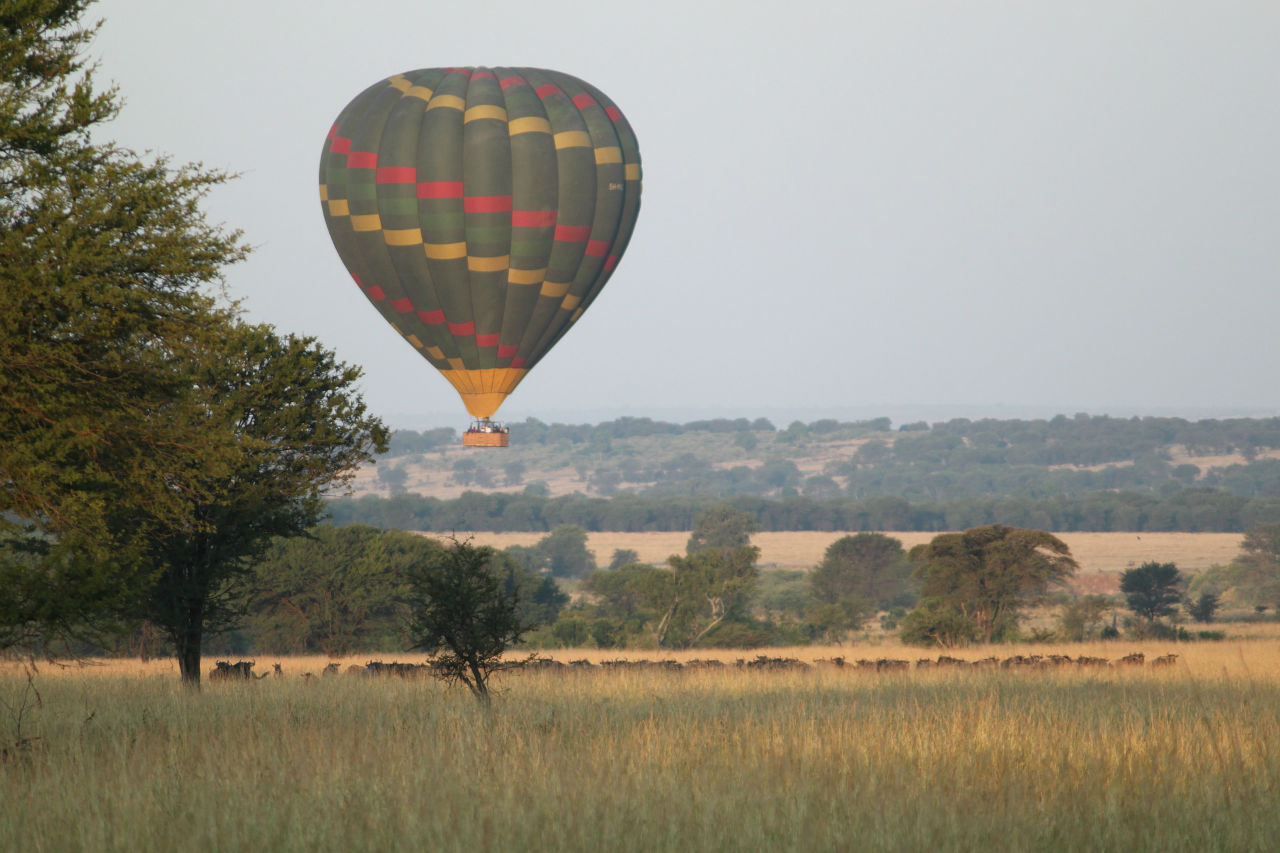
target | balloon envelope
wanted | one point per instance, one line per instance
(481, 210)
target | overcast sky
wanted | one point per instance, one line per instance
(915, 209)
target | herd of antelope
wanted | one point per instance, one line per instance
(243, 670)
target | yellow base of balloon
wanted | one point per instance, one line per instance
(483, 391)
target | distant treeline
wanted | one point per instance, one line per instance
(1078, 440)
(534, 431)
(1187, 510)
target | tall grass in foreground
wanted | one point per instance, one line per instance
(1187, 759)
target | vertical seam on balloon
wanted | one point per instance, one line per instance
(551, 335)
(436, 332)
(533, 76)
(466, 237)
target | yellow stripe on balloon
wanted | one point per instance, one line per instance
(573, 139)
(484, 111)
(435, 352)
(420, 92)
(413, 339)
(447, 102)
(529, 124)
(608, 155)
(495, 264)
(445, 251)
(324, 192)
(515, 276)
(402, 236)
(632, 172)
(338, 207)
(554, 289)
(570, 302)
(366, 222)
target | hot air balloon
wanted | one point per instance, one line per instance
(481, 211)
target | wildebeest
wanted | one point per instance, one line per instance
(1165, 660)
(224, 671)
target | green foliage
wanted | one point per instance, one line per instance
(987, 574)
(708, 586)
(463, 614)
(1204, 607)
(104, 257)
(334, 590)
(1152, 590)
(278, 423)
(1255, 573)
(721, 527)
(869, 567)
(935, 622)
(1081, 617)
(571, 632)
(562, 553)
(832, 621)
(623, 557)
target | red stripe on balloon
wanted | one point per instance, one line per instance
(466, 71)
(507, 351)
(362, 160)
(487, 340)
(572, 233)
(610, 262)
(403, 306)
(340, 145)
(333, 131)
(486, 204)
(462, 328)
(484, 75)
(517, 362)
(431, 318)
(508, 82)
(375, 293)
(440, 189)
(547, 89)
(598, 248)
(583, 101)
(533, 218)
(359, 283)
(613, 113)
(397, 175)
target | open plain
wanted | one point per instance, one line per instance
(1183, 757)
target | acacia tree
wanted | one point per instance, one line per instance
(986, 575)
(465, 615)
(279, 424)
(104, 261)
(1152, 590)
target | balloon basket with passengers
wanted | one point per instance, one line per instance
(481, 211)
(486, 433)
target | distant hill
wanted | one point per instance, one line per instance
(961, 458)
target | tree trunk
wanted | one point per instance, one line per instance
(186, 641)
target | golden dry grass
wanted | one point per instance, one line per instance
(1186, 758)
(1096, 552)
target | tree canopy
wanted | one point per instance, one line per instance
(1152, 590)
(868, 567)
(985, 575)
(464, 616)
(105, 266)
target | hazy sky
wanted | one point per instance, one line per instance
(850, 208)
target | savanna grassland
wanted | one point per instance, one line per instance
(1187, 757)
